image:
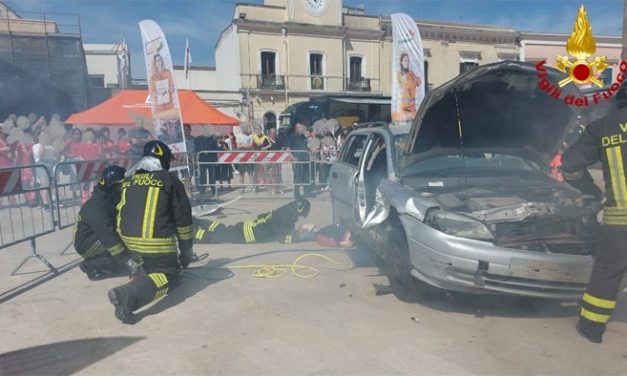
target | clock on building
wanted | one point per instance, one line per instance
(316, 7)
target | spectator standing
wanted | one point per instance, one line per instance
(5, 158)
(229, 142)
(224, 172)
(260, 142)
(123, 145)
(136, 149)
(106, 144)
(207, 161)
(24, 157)
(298, 144)
(313, 146)
(245, 142)
(43, 153)
(73, 145)
(341, 138)
(72, 151)
(274, 170)
(328, 151)
(188, 172)
(89, 150)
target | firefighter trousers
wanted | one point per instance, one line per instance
(607, 274)
(160, 278)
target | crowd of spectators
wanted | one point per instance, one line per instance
(28, 140)
(31, 140)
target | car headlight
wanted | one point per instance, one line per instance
(457, 225)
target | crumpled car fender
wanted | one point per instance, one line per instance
(404, 200)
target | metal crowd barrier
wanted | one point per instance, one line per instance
(73, 183)
(186, 173)
(323, 159)
(271, 169)
(26, 208)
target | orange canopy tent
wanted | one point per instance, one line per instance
(123, 108)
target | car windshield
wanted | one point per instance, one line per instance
(475, 164)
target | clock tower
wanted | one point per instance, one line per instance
(316, 12)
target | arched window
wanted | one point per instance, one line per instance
(269, 120)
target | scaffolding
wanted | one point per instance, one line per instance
(42, 63)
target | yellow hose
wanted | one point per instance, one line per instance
(279, 270)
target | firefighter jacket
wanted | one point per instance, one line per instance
(94, 230)
(277, 225)
(153, 213)
(604, 140)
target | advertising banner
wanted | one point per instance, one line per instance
(164, 99)
(408, 89)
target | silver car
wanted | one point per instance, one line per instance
(462, 201)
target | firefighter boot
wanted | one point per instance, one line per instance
(120, 299)
(588, 333)
(132, 296)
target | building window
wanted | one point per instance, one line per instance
(467, 66)
(269, 78)
(316, 71)
(268, 63)
(315, 64)
(356, 79)
(606, 76)
(269, 120)
(96, 80)
(355, 68)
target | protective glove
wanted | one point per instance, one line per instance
(185, 257)
(135, 268)
(133, 264)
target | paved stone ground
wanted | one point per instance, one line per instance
(228, 323)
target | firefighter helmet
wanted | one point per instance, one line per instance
(159, 150)
(111, 176)
(302, 207)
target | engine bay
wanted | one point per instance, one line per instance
(543, 219)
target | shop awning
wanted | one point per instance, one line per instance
(125, 106)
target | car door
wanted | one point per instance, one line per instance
(342, 178)
(374, 165)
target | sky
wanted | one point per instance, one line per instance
(202, 21)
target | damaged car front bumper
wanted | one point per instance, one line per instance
(473, 266)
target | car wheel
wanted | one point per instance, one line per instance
(404, 286)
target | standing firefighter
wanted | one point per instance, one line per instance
(153, 213)
(603, 140)
(95, 238)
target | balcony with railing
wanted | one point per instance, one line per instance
(358, 84)
(270, 82)
(304, 83)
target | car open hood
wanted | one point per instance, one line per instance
(496, 108)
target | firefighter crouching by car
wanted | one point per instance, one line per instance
(603, 140)
(95, 236)
(154, 212)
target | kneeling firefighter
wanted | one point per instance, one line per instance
(95, 237)
(154, 212)
(276, 225)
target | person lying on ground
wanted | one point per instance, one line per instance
(276, 225)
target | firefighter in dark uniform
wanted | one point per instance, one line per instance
(95, 237)
(154, 216)
(277, 225)
(604, 140)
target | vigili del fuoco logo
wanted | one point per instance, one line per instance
(580, 71)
